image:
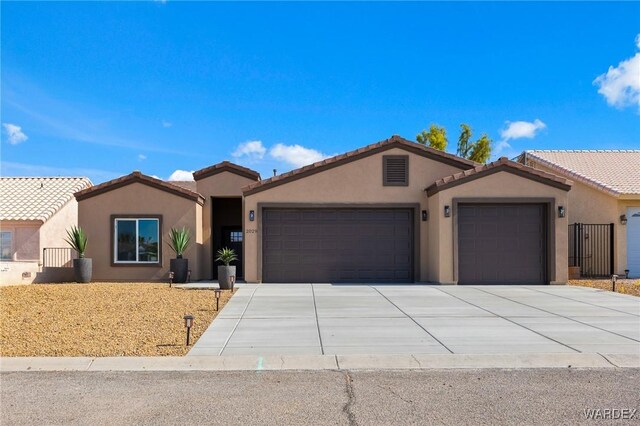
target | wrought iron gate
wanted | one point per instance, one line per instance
(591, 247)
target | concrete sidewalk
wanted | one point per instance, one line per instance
(326, 319)
(321, 362)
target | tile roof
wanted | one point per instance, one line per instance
(394, 141)
(191, 185)
(226, 166)
(137, 177)
(502, 164)
(37, 198)
(616, 172)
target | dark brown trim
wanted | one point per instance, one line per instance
(113, 218)
(137, 177)
(226, 166)
(385, 158)
(416, 224)
(550, 224)
(339, 160)
(462, 178)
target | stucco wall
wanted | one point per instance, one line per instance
(589, 205)
(358, 182)
(11, 272)
(54, 230)
(224, 184)
(499, 185)
(25, 239)
(94, 215)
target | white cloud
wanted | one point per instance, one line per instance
(500, 147)
(621, 85)
(521, 129)
(14, 133)
(295, 155)
(142, 157)
(166, 124)
(181, 175)
(252, 150)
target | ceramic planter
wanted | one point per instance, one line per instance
(224, 277)
(82, 269)
(180, 269)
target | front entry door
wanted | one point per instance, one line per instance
(232, 238)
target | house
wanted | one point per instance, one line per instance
(35, 213)
(606, 191)
(393, 211)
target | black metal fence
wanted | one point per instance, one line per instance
(58, 257)
(591, 247)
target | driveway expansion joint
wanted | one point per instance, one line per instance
(511, 321)
(560, 315)
(412, 319)
(580, 301)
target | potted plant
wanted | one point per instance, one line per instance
(179, 240)
(226, 271)
(82, 266)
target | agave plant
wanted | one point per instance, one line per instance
(77, 239)
(226, 256)
(179, 240)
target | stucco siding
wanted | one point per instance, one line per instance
(501, 186)
(94, 215)
(54, 231)
(224, 184)
(355, 183)
(590, 205)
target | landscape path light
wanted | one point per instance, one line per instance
(188, 322)
(217, 292)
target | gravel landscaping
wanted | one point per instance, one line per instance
(102, 319)
(624, 286)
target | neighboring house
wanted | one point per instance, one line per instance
(34, 214)
(606, 191)
(393, 211)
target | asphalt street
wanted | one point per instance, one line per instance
(474, 397)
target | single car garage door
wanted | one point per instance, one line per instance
(337, 245)
(502, 244)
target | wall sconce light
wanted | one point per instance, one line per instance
(425, 215)
(561, 211)
(252, 215)
(623, 219)
(447, 211)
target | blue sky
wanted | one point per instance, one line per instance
(101, 89)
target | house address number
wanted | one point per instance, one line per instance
(251, 231)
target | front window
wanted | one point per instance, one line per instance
(137, 240)
(6, 246)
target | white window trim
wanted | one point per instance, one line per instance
(115, 242)
(12, 250)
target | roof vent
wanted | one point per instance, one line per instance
(395, 170)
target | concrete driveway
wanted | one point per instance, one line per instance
(285, 319)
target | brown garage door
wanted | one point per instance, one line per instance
(337, 245)
(501, 244)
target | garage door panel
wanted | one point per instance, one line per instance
(501, 244)
(325, 245)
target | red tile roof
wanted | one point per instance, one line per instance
(393, 142)
(502, 164)
(137, 177)
(226, 166)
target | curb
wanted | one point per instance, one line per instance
(321, 362)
